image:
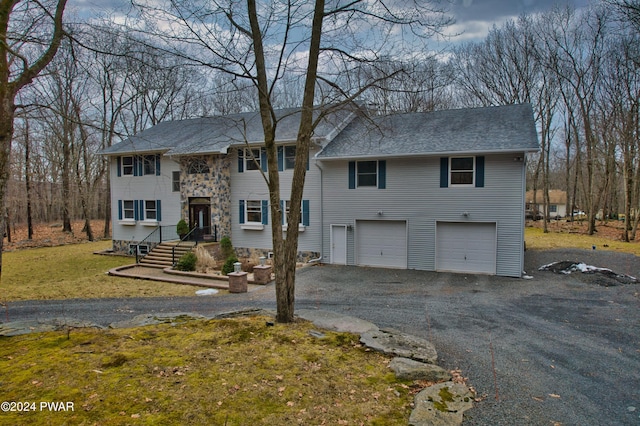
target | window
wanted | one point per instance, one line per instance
(462, 170)
(367, 173)
(127, 166)
(175, 181)
(149, 164)
(250, 155)
(150, 210)
(254, 211)
(197, 166)
(304, 212)
(289, 156)
(128, 209)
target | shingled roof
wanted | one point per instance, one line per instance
(508, 128)
(209, 135)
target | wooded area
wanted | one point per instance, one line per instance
(579, 70)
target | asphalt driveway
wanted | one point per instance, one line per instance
(554, 349)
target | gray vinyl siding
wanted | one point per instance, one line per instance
(250, 185)
(150, 187)
(413, 194)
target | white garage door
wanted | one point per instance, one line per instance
(466, 247)
(381, 243)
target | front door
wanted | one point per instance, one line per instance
(200, 216)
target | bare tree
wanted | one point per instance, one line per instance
(30, 34)
(270, 45)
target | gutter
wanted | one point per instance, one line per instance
(319, 259)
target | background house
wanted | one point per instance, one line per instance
(557, 204)
(433, 191)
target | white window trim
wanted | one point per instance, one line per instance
(375, 186)
(284, 157)
(127, 222)
(473, 173)
(248, 159)
(146, 221)
(132, 165)
(246, 212)
(252, 226)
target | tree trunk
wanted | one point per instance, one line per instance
(27, 179)
(6, 134)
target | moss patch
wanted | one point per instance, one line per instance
(233, 372)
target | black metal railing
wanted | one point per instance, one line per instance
(158, 235)
(196, 234)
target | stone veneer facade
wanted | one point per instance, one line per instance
(303, 256)
(216, 184)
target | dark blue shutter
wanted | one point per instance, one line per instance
(444, 172)
(382, 174)
(135, 165)
(141, 166)
(141, 209)
(284, 213)
(305, 212)
(119, 166)
(136, 214)
(157, 164)
(119, 209)
(352, 174)
(265, 212)
(280, 158)
(241, 162)
(263, 159)
(480, 172)
(241, 211)
(158, 211)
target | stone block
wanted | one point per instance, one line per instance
(237, 282)
(262, 274)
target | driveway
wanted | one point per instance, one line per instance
(554, 349)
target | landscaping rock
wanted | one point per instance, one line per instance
(152, 319)
(400, 344)
(336, 322)
(443, 404)
(55, 324)
(409, 369)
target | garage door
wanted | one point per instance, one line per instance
(381, 243)
(466, 247)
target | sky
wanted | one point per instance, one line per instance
(474, 18)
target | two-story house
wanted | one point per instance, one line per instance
(433, 191)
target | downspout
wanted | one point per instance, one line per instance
(321, 216)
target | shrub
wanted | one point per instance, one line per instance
(182, 228)
(228, 265)
(226, 248)
(187, 262)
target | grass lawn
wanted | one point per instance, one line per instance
(74, 271)
(217, 372)
(562, 238)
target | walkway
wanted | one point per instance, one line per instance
(177, 277)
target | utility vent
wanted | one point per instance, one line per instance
(270, 255)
